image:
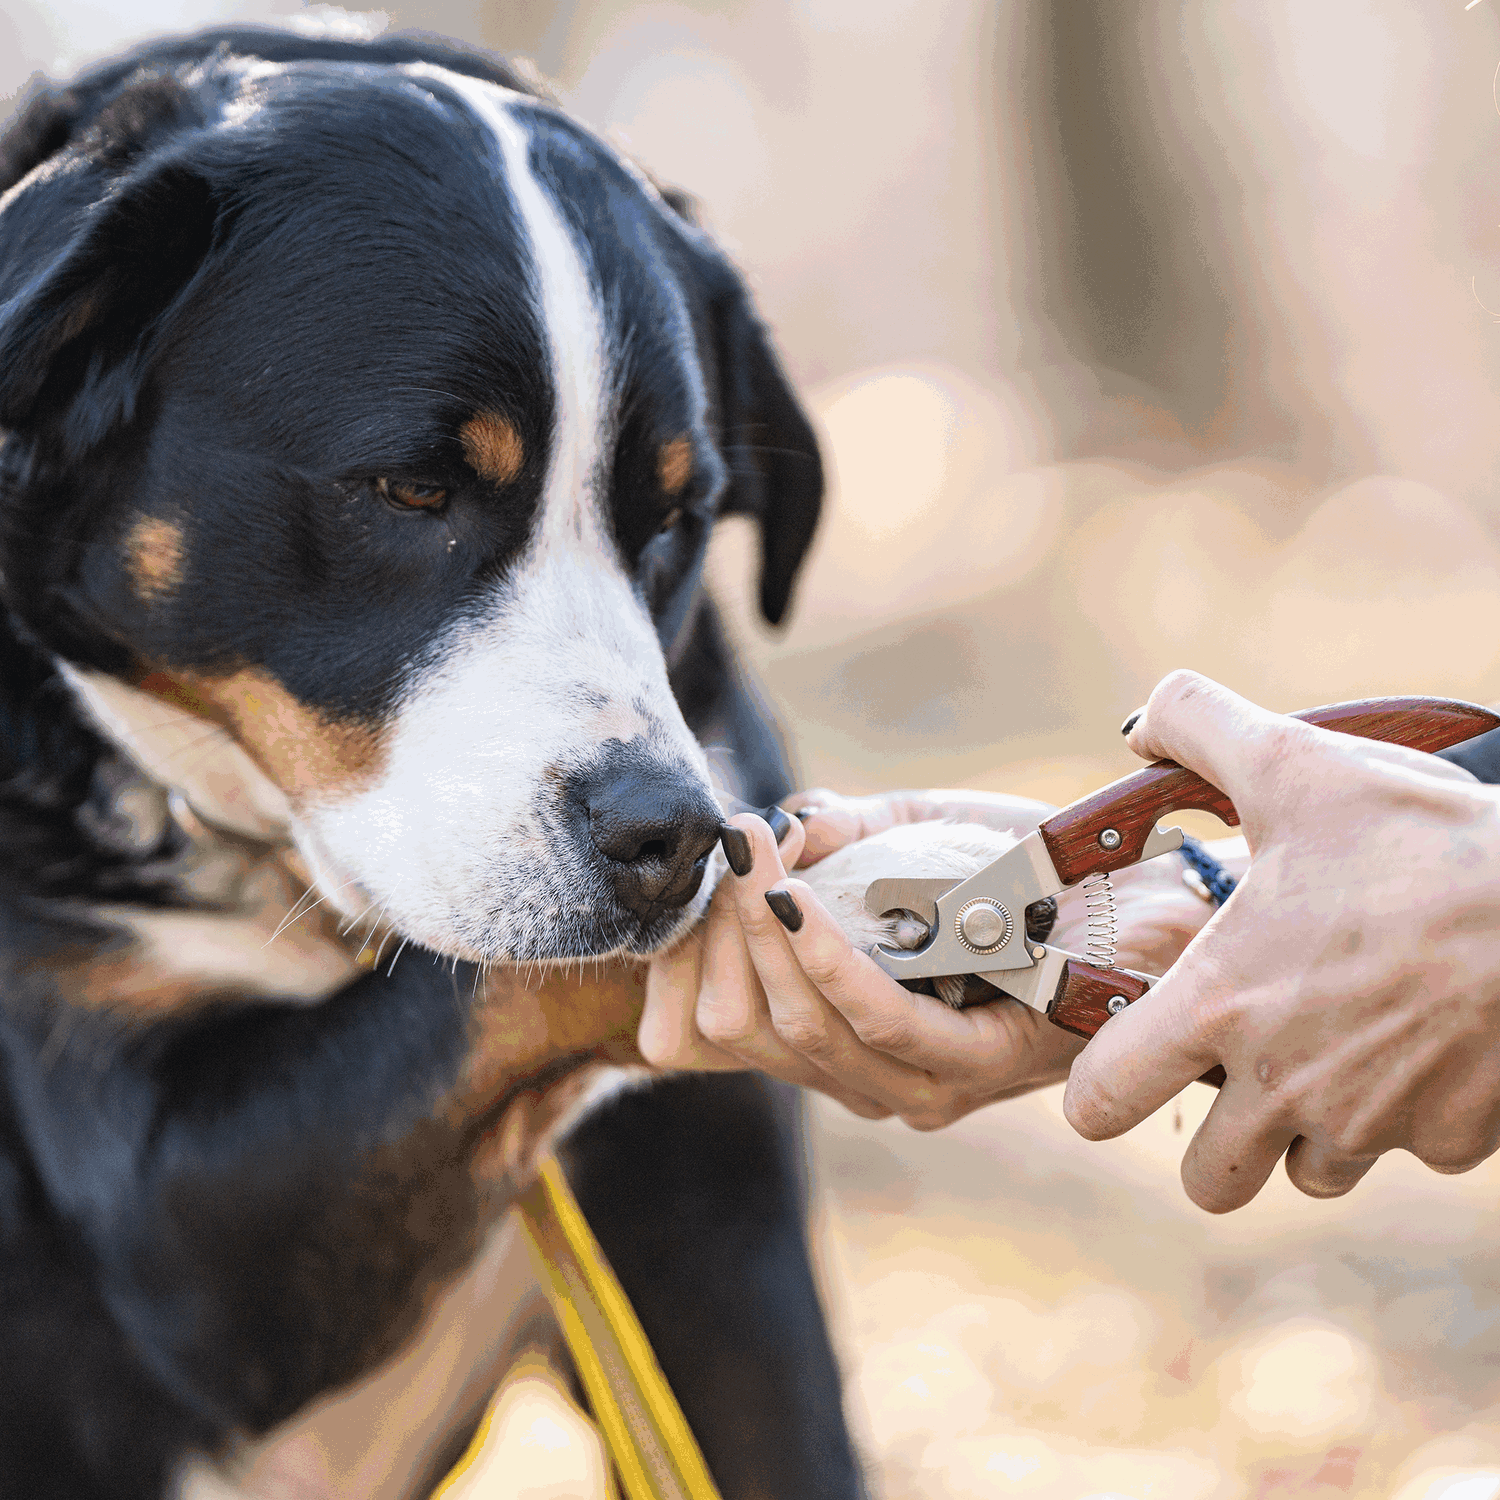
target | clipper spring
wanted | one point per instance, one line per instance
(1103, 926)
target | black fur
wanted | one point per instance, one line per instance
(208, 1221)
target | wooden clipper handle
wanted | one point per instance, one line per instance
(1084, 993)
(1108, 830)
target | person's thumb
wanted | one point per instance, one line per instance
(1229, 741)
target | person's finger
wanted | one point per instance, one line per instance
(829, 821)
(732, 1014)
(802, 1019)
(805, 803)
(731, 1010)
(1464, 1130)
(786, 830)
(668, 1035)
(1234, 1151)
(916, 1030)
(1153, 1049)
(832, 821)
(789, 831)
(710, 974)
(1228, 740)
(1451, 1167)
(732, 1019)
(1320, 1171)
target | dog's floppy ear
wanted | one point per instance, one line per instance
(776, 473)
(75, 339)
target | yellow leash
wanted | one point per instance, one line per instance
(645, 1432)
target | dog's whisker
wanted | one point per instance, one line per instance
(354, 922)
(385, 937)
(294, 912)
(292, 915)
(401, 947)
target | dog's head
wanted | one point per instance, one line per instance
(379, 413)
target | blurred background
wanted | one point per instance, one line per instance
(1142, 333)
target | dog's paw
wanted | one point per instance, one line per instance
(948, 851)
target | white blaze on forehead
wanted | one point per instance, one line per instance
(571, 327)
(465, 843)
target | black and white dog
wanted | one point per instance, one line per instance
(364, 422)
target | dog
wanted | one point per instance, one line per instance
(365, 419)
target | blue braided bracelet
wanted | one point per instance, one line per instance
(1203, 874)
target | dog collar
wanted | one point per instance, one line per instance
(1203, 875)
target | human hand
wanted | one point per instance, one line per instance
(1350, 987)
(808, 1008)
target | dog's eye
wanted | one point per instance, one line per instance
(669, 520)
(407, 496)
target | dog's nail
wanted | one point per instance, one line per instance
(737, 849)
(804, 813)
(1041, 917)
(781, 824)
(788, 913)
(1132, 721)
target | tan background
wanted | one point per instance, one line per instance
(1142, 334)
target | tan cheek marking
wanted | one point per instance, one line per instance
(520, 1027)
(492, 447)
(177, 691)
(153, 557)
(674, 465)
(123, 981)
(305, 753)
(162, 962)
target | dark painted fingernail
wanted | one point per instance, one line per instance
(737, 849)
(781, 824)
(804, 813)
(1132, 721)
(788, 913)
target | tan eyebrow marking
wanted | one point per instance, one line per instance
(153, 557)
(674, 464)
(492, 447)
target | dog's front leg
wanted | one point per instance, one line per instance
(267, 1193)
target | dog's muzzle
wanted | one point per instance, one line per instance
(650, 824)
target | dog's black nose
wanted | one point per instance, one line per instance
(655, 825)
